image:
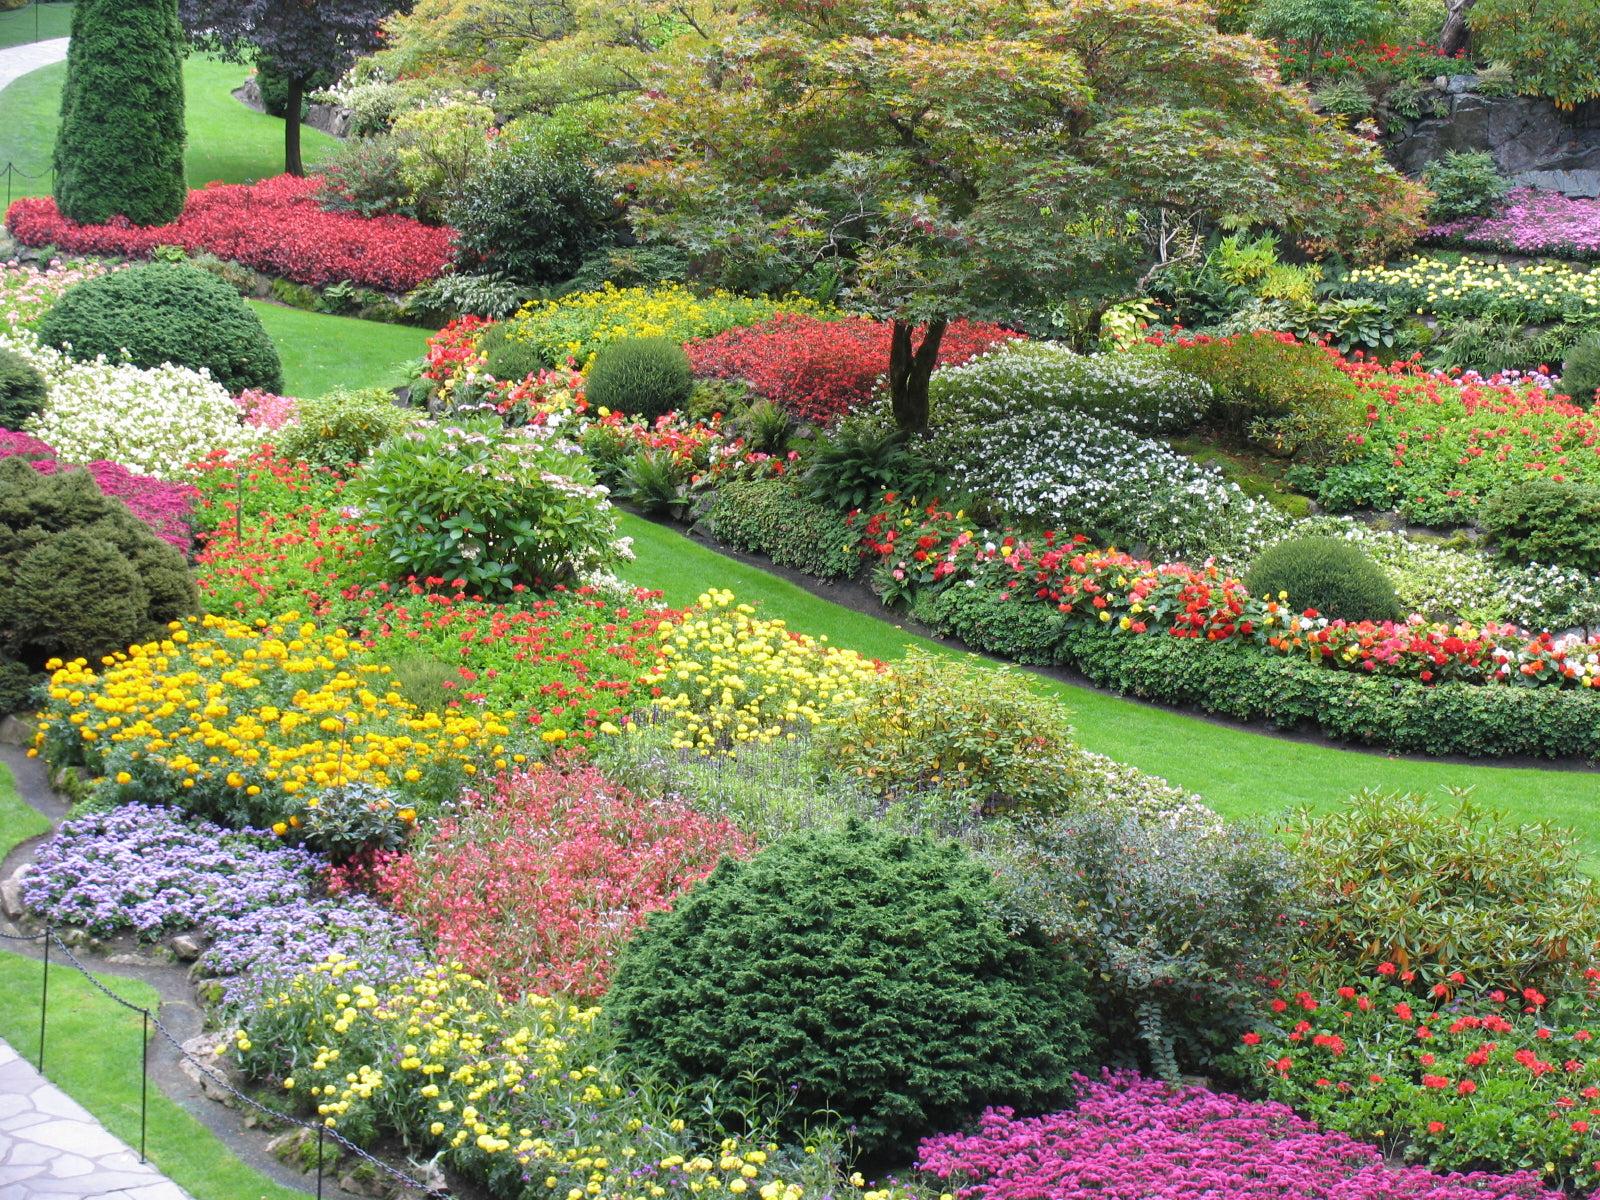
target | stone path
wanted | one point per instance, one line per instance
(17, 61)
(51, 1147)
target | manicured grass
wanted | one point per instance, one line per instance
(227, 141)
(35, 23)
(320, 352)
(18, 820)
(1238, 772)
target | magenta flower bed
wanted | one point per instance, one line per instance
(275, 226)
(162, 506)
(1534, 222)
(1139, 1139)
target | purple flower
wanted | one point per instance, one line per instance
(1533, 222)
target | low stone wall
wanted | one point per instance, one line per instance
(332, 119)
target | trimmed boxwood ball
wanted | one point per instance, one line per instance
(645, 377)
(22, 390)
(166, 312)
(866, 971)
(1328, 574)
(508, 357)
(80, 575)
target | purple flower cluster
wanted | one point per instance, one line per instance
(1139, 1139)
(162, 506)
(1533, 222)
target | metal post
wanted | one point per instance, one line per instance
(44, 998)
(320, 1131)
(144, 1083)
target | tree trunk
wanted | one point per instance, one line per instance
(909, 371)
(291, 126)
(1455, 37)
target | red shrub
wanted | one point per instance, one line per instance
(537, 886)
(274, 226)
(820, 369)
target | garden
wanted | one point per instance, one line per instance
(415, 571)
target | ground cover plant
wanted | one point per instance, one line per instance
(1534, 222)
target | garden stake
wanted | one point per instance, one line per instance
(44, 998)
(320, 1128)
(144, 1082)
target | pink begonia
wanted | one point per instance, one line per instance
(1533, 222)
(1141, 1139)
(265, 410)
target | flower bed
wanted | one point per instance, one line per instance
(27, 293)
(1533, 222)
(162, 506)
(276, 226)
(820, 368)
(1531, 294)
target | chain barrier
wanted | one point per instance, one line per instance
(10, 171)
(323, 1131)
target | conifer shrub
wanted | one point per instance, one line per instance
(862, 972)
(22, 390)
(119, 147)
(80, 576)
(1551, 521)
(646, 377)
(1328, 574)
(166, 313)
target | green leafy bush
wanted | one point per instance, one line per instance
(1179, 922)
(1580, 374)
(166, 313)
(1546, 521)
(656, 481)
(855, 465)
(1550, 45)
(1328, 574)
(22, 390)
(500, 510)
(508, 358)
(771, 517)
(80, 576)
(1261, 377)
(1465, 183)
(1436, 892)
(274, 85)
(342, 427)
(646, 377)
(1316, 24)
(949, 741)
(868, 972)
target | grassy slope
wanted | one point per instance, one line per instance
(92, 1053)
(320, 352)
(35, 23)
(1238, 772)
(227, 141)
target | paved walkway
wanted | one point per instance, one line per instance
(51, 1147)
(17, 61)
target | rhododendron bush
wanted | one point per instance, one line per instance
(537, 885)
(276, 226)
(821, 368)
(1137, 1139)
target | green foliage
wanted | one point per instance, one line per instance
(274, 85)
(162, 312)
(22, 390)
(1316, 24)
(355, 818)
(1345, 97)
(656, 481)
(1549, 44)
(866, 971)
(1546, 521)
(764, 426)
(18, 687)
(1580, 374)
(1179, 922)
(342, 427)
(295, 295)
(531, 214)
(363, 176)
(1259, 378)
(771, 517)
(1436, 891)
(1328, 574)
(500, 510)
(951, 741)
(646, 377)
(1466, 183)
(119, 147)
(507, 357)
(453, 295)
(854, 465)
(79, 574)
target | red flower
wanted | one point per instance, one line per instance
(1435, 1127)
(1251, 1039)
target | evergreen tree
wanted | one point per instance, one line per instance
(120, 146)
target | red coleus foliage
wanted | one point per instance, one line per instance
(275, 226)
(538, 885)
(820, 369)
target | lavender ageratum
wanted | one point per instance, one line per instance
(1138, 1139)
(1533, 222)
(148, 869)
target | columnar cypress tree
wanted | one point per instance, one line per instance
(120, 146)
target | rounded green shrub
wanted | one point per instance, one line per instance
(865, 973)
(166, 313)
(343, 427)
(1580, 374)
(80, 575)
(22, 390)
(1465, 183)
(1327, 574)
(1546, 521)
(646, 377)
(508, 357)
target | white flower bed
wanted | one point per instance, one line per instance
(153, 421)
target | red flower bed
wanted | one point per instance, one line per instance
(820, 369)
(538, 885)
(275, 226)
(163, 506)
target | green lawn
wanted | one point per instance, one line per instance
(227, 141)
(320, 352)
(35, 23)
(1239, 773)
